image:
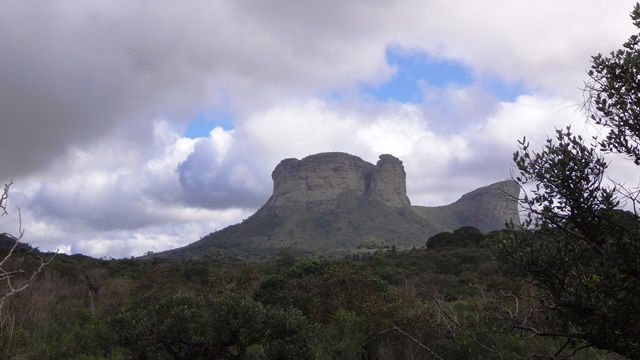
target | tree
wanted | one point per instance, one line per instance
(17, 272)
(232, 326)
(578, 246)
(613, 95)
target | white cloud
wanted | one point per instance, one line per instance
(84, 84)
(92, 203)
(440, 165)
(181, 231)
(186, 188)
(73, 70)
(546, 44)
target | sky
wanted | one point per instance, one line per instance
(130, 126)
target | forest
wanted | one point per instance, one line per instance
(446, 302)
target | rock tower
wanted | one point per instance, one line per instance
(337, 176)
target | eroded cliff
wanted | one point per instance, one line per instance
(334, 176)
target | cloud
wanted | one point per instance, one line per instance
(189, 226)
(441, 165)
(547, 45)
(215, 175)
(94, 97)
(181, 188)
(73, 71)
(103, 203)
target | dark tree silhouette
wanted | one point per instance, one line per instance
(578, 246)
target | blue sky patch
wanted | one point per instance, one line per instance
(413, 69)
(416, 69)
(204, 121)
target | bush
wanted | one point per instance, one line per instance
(233, 326)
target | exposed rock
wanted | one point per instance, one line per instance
(330, 176)
(318, 178)
(388, 183)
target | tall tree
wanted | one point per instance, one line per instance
(577, 245)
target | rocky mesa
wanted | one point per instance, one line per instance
(335, 176)
(337, 202)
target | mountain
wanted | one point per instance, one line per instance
(7, 242)
(487, 208)
(336, 202)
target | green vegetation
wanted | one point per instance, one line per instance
(578, 247)
(402, 304)
(170, 325)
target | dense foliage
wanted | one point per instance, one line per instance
(578, 246)
(231, 326)
(438, 303)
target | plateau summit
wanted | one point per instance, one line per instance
(329, 177)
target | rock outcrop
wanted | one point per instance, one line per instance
(487, 208)
(389, 182)
(334, 176)
(336, 202)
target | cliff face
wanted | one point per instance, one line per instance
(389, 182)
(333, 176)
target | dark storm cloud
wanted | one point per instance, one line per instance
(71, 71)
